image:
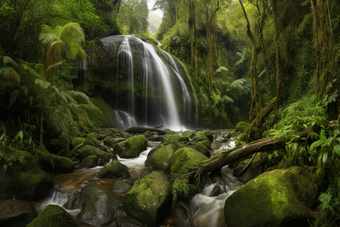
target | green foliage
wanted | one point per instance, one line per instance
(180, 190)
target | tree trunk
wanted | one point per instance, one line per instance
(191, 23)
(277, 44)
(317, 47)
(209, 51)
(267, 69)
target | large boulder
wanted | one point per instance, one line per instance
(159, 158)
(113, 171)
(169, 138)
(90, 161)
(200, 136)
(16, 213)
(121, 186)
(132, 147)
(202, 148)
(216, 144)
(98, 205)
(278, 198)
(209, 135)
(189, 134)
(111, 141)
(53, 216)
(88, 150)
(149, 199)
(53, 163)
(185, 160)
(24, 180)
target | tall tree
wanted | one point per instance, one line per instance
(277, 45)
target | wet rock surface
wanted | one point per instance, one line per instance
(16, 213)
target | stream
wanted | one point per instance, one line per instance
(203, 210)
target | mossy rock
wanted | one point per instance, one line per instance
(253, 170)
(149, 200)
(16, 213)
(111, 141)
(104, 119)
(98, 205)
(90, 140)
(102, 136)
(209, 135)
(202, 148)
(168, 138)
(53, 163)
(200, 136)
(90, 161)
(185, 160)
(113, 171)
(241, 126)
(189, 134)
(132, 147)
(121, 186)
(160, 157)
(88, 150)
(278, 198)
(77, 141)
(53, 216)
(169, 131)
(216, 144)
(25, 180)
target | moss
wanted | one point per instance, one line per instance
(132, 147)
(87, 150)
(209, 135)
(168, 138)
(90, 161)
(160, 159)
(114, 170)
(200, 136)
(189, 134)
(77, 140)
(104, 119)
(53, 216)
(202, 148)
(149, 199)
(241, 126)
(275, 199)
(185, 160)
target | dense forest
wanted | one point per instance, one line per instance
(261, 73)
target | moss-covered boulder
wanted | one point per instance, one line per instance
(202, 148)
(24, 180)
(121, 186)
(253, 170)
(278, 198)
(189, 134)
(132, 147)
(98, 205)
(111, 141)
(240, 127)
(159, 158)
(114, 170)
(90, 140)
(104, 119)
(216, 144)
(168, 138)
(90, 161)
(54, 163)
(77, 141)
(88, 150)
(169, 131)
(185, 160)
(200, 136)
(149, 199)
(209, 135)
(53, 216)
(16, 213)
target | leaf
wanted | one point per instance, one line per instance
(21, 135)
(336, 149)
(2, 136)
(13, 97)
(315, 145)
(324, 157)
(43, 84)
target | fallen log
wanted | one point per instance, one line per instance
(144, 129)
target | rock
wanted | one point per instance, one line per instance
(275, 199)
(98, 205)
(185, 160)
(160, 157)
(53, 216)
(88, 150)
(24, 180)
(145, 129)
(240, 127)
(102, 136)
(111, 141)
(132, 147)
(169, 131)
(90, 140)
(53, 163)
(189, 134)
(253, 170)
(209, 135)
(113, 171)
(121, 186)
(77, 141)
(149, 199)
(90, 161)
(16, 213)
(155, 138)
(168, 138)
(200, 136)
(216, 144)
(202, 148)
(127, 221)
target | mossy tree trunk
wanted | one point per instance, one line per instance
(191, 23)
(209, 50)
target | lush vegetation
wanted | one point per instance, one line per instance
(272, 63)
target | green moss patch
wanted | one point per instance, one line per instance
(104, 119)
(132, 147)
(114, 170)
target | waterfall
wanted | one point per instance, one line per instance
(124, 120)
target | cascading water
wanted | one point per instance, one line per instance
(124, 120)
